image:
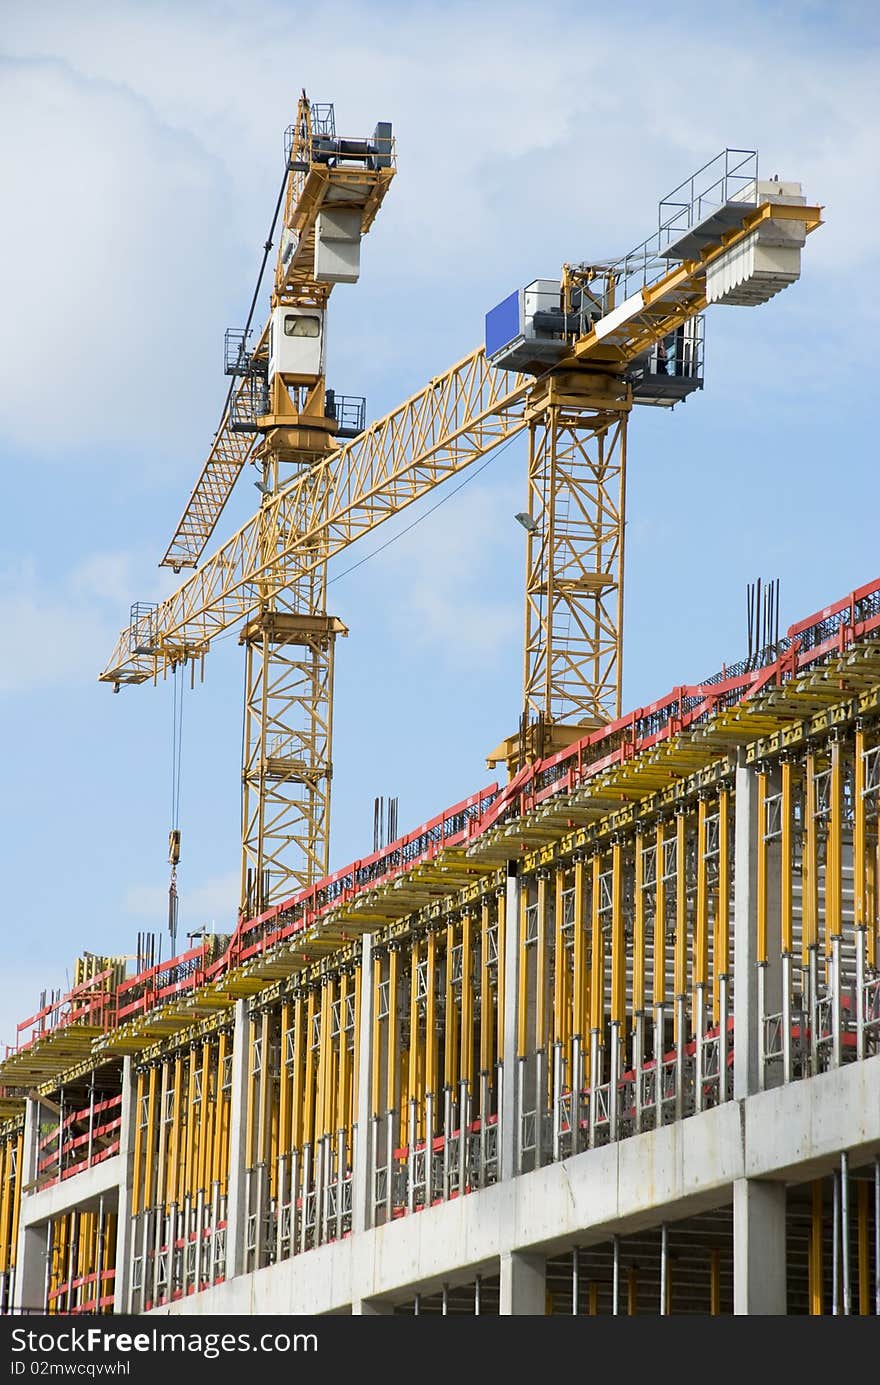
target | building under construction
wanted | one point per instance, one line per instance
(602, 1038)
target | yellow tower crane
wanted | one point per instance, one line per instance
(565, 359)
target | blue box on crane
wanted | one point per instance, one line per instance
(503, 323)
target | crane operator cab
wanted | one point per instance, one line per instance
(296, 344)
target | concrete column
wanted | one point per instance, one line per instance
(745, 938)
(758, 1247)
(29, 1291)
(510, 962)
(362, 1170)
(236, 1201)
(124, 1228)
(523, 1284)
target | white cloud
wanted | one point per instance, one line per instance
(60, 631)
(213, 904)
(445, 575)
(142, 180)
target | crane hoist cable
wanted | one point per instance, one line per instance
(177, 686)
(267, 246)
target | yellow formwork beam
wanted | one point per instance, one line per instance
(815, 1250)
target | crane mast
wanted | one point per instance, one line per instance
(565, 361)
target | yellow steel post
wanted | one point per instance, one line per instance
(4, 1206)
(175, 1141)
(592, 1299)
(467, 1002)
(522, 1017)
(325, 1047)
(597, 968)
(220, 1163)
(632, 1291)
(431, 1020)
(541, 1029)
(638, 979)
(414, 1046)
(714, 1283)
(559, 964)
(815, 1260)
(354, 1080)
(150, 1136)
(486, 1008)
(659, 977)
(833, 868)
(787, 853)
(500, 977)
(860, 837)
(191, 1124)
(341, 1121)
(298, 1097)
(376, 1075)
(209, 1117)
(581, 1018)
(701, 932)
(392, 1064)
(618, 943)
(308, 1126)
(162, 1159)
(16, 1199)
(810, 873)
(681, 929)
(284, 1076)
(137, 1161)
(721, 940)
(864, 1251)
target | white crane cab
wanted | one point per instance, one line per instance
(296, 344)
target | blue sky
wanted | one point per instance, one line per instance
(141, 147)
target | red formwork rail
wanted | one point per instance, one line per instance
(91, 1002)
(827, 633)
